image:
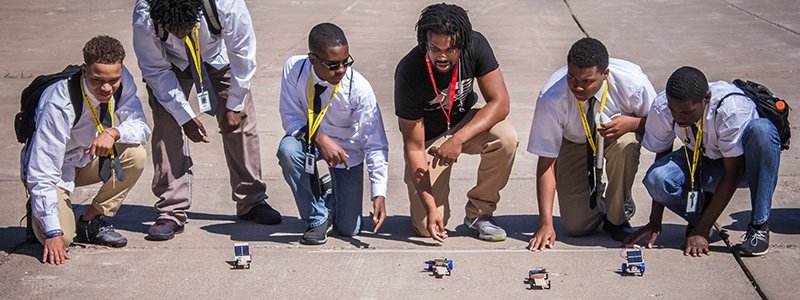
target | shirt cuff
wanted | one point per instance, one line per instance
(378, 190)
(50, 222)
(184, 114)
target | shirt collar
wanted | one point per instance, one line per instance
(599, 94)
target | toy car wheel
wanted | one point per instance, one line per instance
(624, 268)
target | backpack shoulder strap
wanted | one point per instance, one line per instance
(299, 74)
(212, 16)
(75, 96)
(728, 95)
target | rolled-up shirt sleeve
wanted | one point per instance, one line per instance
(157, 72)
(132, 124)
(46, 155)
(240, 41)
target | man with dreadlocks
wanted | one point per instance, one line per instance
(435, 104)
(565, 134)
(211, 45)
(732, 140)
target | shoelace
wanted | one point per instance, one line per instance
(103, 226)
(754, 236)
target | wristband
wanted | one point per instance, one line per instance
(53, 233)
(109, 134)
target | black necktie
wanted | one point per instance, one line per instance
(590, 153)
(206, 83)
(106, 162)
(315, 184)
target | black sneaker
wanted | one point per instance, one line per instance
(617, 232)
(163, 229)
(317, 235)
(755, 241)
(262, 214)
(98, 231)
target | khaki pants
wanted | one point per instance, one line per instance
(172, 162)
(110, 196)
(622, 162)
(496, 148)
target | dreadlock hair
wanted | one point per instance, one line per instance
(175, 14)
(588, 52)
(687, 84)
(445, 19)
(325, 35)
(103, 49)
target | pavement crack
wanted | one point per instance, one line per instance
(577, 22)
(773, 23)
(726, 239)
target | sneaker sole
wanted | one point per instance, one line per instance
(753, 254)
(492, 238)
(313, 242)
(162, 237)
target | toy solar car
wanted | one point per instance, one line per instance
(241, 257)
(439, 266)
(539, 278)
(635, 264)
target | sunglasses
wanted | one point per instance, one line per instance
(333, 66)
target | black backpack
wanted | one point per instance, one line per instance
(25, 120)
(768, 106)
(209, 13)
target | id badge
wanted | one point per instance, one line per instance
(310, 161)
(691, 202)
(204, 101)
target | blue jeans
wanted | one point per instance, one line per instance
(667, 180)
(343, 204)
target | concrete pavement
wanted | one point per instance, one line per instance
(726, 39)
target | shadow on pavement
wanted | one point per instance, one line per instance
(781, 220)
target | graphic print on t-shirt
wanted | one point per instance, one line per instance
(463, 89)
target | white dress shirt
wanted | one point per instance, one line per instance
(235, 45)
(353, 118)
(722, 128)
(57, 149)
(556, 115)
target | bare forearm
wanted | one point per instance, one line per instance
(545, 190)
(722, 196)
(418, 166)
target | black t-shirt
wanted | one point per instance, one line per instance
(414, 97)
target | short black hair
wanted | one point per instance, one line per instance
(588, 52)
(103, 49)
(446, 19)
(325, 35)
(687, 84)
(175, 14)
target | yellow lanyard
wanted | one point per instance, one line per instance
(96, 119)
(313, 124)
(586, 129)
(698, 141)
(194, 50)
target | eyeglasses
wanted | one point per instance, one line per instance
(333, 66)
